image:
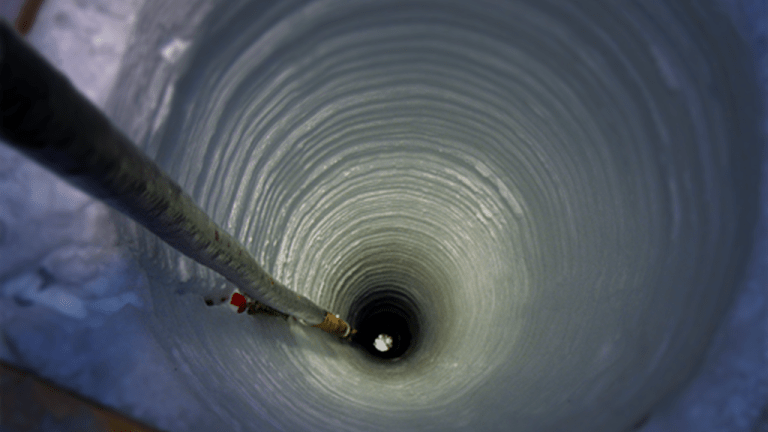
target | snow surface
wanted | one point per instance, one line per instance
(73, 303)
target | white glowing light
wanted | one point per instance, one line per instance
(383, 342)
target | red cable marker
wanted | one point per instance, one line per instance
(239, 301)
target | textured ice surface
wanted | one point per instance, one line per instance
(75, 307)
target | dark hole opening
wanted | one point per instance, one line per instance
(387, 324)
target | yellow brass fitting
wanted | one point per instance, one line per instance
(335, 326)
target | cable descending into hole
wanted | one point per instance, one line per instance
(46, 118)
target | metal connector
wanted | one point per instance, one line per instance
(335, 326)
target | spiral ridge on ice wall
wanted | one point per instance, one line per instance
(564, 192)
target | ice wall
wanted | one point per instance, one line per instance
(74, 305)
(561, 190)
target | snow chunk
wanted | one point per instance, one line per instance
(173, 50)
